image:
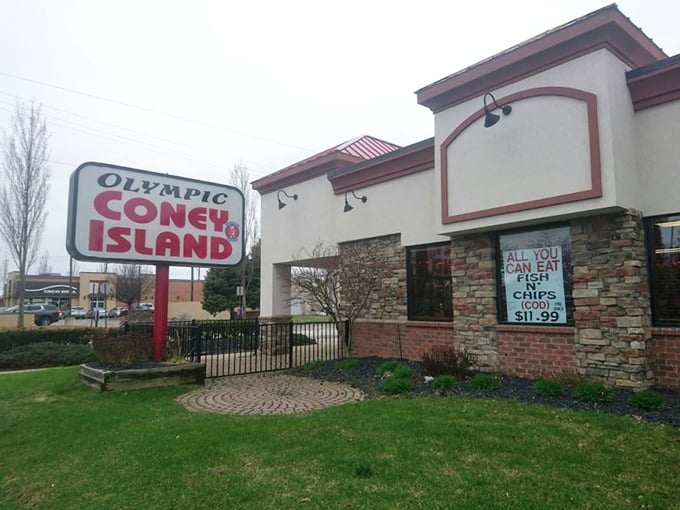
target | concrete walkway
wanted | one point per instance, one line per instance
(268, 393)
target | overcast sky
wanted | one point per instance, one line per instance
(192, 88)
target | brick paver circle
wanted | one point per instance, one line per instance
(268, 393)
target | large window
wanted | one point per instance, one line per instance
(663, 234)
(429, 282)
(534, 276)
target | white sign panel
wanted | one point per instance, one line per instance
(129, 215)
(534, 286)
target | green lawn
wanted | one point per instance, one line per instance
(63, 445)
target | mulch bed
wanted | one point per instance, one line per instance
(366, 378)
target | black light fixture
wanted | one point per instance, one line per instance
(490, 119)
(282, 204)
(348, 207)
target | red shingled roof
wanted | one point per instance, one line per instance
(347, 153)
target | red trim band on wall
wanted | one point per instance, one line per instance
(595, 190)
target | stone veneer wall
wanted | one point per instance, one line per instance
(473, 273)
(611, 339)
(383, 329)
(384, 259)
(612, 312)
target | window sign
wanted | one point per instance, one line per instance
(534, 287)
(535, 276)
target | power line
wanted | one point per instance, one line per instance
(156, 112)
(132, 142)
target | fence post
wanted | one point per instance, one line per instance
(196, 335)
(345, 341)
(290, 344)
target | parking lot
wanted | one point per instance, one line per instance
(88, 323)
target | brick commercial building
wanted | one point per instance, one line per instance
(91, 289)
(539, 228)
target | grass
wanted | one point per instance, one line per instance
(65, 446)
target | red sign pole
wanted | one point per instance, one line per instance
(160, 316)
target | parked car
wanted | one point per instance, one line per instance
(43, 313)
(118, 311)
(144, 307)
(97, 312)
(78, 312)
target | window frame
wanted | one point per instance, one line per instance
(410, 292)
(567, 276)
(650, 249)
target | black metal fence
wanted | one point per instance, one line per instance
(232, 347)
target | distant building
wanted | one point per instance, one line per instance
(88, 289)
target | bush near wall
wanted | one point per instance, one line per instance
(45, 354)
(12, 338)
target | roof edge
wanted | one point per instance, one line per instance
(604, 28)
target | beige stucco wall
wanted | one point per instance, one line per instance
(192, 310)
(403, 206)
(658, 146)
(533, 152)
(9, 321)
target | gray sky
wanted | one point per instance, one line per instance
(192, 88)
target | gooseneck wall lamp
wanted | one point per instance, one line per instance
(282, 204)
(490, 119)
(348, 207)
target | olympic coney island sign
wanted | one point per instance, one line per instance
(127, 215)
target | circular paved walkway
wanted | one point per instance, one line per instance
(268, 393)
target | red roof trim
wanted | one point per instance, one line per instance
(656, 86)
(605, 28)
(409, 160)
(595, 190)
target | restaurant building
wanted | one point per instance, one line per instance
(539, 228)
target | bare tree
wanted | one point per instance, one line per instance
(240, 178)
(23, 190)
(44, 266)
(130, 283)
(326, 273)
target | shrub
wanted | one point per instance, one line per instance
(311, 365)
(448, 360)
(387, 366)
(568, 379)
(647, 400)
(588, 391)
(443, 382)
(484, 382)
(548, 388)
(45, 354)
(11, 338)
(396, 385)
(348, 364)
(123, 351)
(402, 372)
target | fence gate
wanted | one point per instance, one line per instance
(233, 347)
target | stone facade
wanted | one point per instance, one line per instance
(473, 273)
(611, 337)
(612, 312)
(383, 260)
